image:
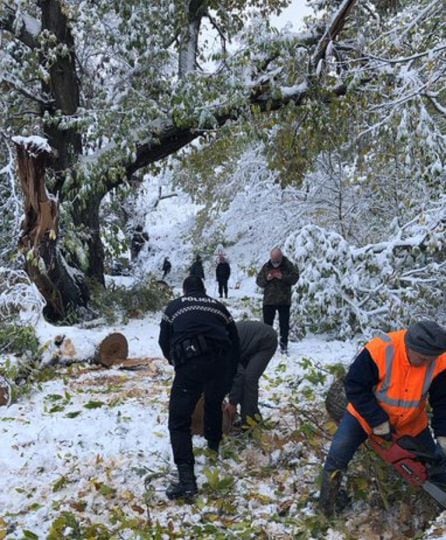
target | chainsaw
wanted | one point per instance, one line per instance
(414, 463)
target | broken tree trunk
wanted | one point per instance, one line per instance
(62, 289)
(336, 401)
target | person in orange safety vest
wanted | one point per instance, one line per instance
(388, 387)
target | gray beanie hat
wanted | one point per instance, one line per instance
(427, 337)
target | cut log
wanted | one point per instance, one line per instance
(198, 419)
(112, 350)
(5, 392)
(336, 401)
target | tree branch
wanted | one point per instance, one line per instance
(23, 29)
(333, 29)
(172, 138)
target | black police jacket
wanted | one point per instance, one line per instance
(198, 314)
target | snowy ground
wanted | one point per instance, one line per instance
(83, 442)
(87, 454)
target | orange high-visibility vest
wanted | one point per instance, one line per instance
(402, 388)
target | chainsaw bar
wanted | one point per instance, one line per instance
(406, 463)
(435, 492)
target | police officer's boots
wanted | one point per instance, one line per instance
(331, 482)
(186, 487)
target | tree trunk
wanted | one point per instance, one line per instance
(62, 289)
(86, 220)
(189, 37)
(63, 87)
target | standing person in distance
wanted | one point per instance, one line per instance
(222, 274)
(199, 338)
(197, 268)
(167, 267)
(139, 239)
(276, 278)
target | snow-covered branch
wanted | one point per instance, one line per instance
(20, 24)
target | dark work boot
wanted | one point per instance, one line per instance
(331, 482)
(186, 487)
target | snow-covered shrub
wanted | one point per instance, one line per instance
(19, 298)
(379, 286)
(327, 277)
(18, 340)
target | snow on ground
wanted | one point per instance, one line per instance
(82, 442)
(87, 455)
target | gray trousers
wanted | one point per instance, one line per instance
(245, 389)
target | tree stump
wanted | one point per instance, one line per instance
(113, 349)
(336, 401)
(5, 392)
(198, 419)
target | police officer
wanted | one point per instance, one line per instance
(199, 338)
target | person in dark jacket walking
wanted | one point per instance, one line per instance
(258, 343)
(387, 387)
(167, 267)
(197, 268)
(222, 273)
(199, 338)
(139, 239)
(276, 278)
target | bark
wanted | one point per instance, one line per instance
(332, 31)
(86, 220)
(173, 138)
(43, 262)
(21, 31)
(63, 87)
(189, 37)
(336, 401)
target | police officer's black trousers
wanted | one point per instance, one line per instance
(200, 375)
